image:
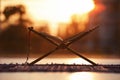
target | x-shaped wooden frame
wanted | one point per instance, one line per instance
(62, 44)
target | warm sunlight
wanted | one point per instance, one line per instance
(78, 61)
(58, 10)
(55, 11)
(81, 76)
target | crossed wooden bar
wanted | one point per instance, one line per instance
(61, 44)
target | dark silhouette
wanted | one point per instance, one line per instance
(13, 38)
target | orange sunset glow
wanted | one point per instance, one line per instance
(56, 11)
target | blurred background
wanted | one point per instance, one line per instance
(61, 18)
